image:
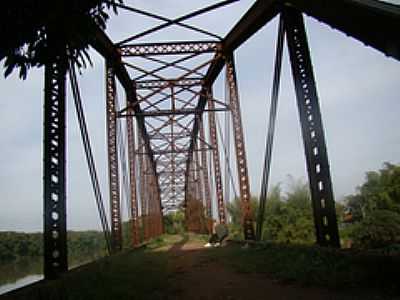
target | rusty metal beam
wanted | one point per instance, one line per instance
(102, 44)
(156, 84)
(204, 164)
(372, 22)
(175, 112)
(170, 48)
(111, 113)
(216, 162)
(132, 181)
(240, 149)
(255, 18)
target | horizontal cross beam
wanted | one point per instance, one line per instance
(172, 112)
(152, 84)
(197, 47)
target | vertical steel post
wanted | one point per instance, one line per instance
(54, 179)
(241, 161)
(199, 189)
(141, 150)
(111, 115)
(145, 190)
(215, 155)
(132, 178)
(207, 193)
(199, 186)
(312, 130)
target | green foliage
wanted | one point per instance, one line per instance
(287, 218)
(378, 229)
(14, 245)
(375, 209)
(85, 245)
(174, 222)
(314, 265)
(82, 246)
(138, 274)
(36, 31)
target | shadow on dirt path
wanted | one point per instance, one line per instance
(196, 274)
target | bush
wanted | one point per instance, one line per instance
(174, 223)
(379, 229)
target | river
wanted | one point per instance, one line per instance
(19, 273)
(20, 283)
(26, 271)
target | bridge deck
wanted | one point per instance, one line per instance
(177, 267)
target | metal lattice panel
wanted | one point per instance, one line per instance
(157, 84)
(116, 231)
(216, 162)
(132, 181)
(240, 150)
(169, 48)
(207, 193)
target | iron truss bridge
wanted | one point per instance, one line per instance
(167, 119)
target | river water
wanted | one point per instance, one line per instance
(28, 270)
(19, 273)
(20, 283)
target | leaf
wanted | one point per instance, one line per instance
(10, 65)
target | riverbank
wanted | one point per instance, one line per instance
(179, 267)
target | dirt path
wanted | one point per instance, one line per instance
(195, 275)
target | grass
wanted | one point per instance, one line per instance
(133, 274)
(143, 273)
(314, 265)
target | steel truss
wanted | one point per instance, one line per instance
(170, 158)
(168, 107)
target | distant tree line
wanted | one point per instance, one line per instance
(82, 246)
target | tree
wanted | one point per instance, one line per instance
(375, 209)
(174, 222)
(34, 32)
(288, 218)
(380, 228)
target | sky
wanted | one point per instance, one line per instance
(358, 89)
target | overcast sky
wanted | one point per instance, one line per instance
(359, 96)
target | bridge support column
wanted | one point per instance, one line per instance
(241, 161)
(132, 179)
(215, 156)
(199, 189)
(207, 194)
(312, 130)
(54, 179)
(116, 232)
